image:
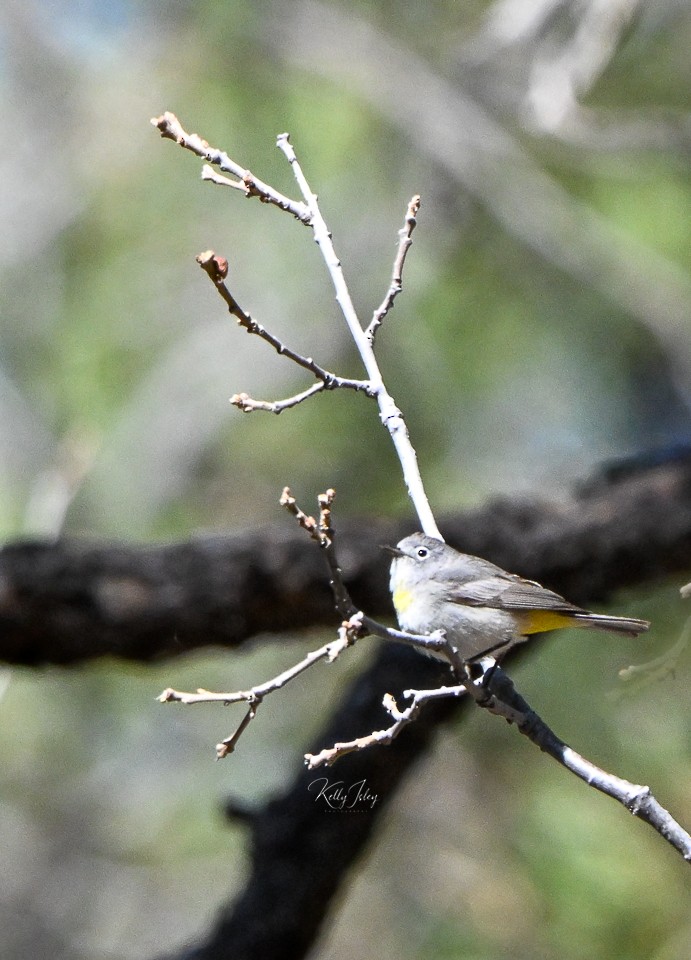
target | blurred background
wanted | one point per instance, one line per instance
(543, 329)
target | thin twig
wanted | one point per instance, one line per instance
(208, 173)
(352, 628)
(228, 745)
(306, 521)
(663, 666)
(329, 652)
(404, 243)
(171, 129)
(322, 531)
(245, 403)
(382, 738)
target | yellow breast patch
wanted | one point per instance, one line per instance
(402, 598)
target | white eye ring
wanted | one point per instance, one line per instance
(422, 552)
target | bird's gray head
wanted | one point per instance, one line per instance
(420, 548)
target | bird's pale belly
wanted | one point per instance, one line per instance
(475, 631)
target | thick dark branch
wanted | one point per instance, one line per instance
(69, 601)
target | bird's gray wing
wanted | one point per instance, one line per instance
(509, 593)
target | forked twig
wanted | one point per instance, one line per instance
(216, 269)
(254, 696)
(309, 213)
(171, 129)
(382, 738)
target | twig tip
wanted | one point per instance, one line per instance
(215, 265)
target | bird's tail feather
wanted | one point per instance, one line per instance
(629, 626)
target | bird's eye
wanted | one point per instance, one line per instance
(422, 552)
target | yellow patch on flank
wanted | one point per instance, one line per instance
(537, 621)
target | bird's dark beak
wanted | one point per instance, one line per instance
(392, 551)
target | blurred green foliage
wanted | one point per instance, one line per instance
(516, 371)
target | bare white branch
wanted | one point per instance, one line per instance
(389, 413)
(171, 129)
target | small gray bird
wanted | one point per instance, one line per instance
(482, 609)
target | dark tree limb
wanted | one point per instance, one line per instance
(69, 601)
